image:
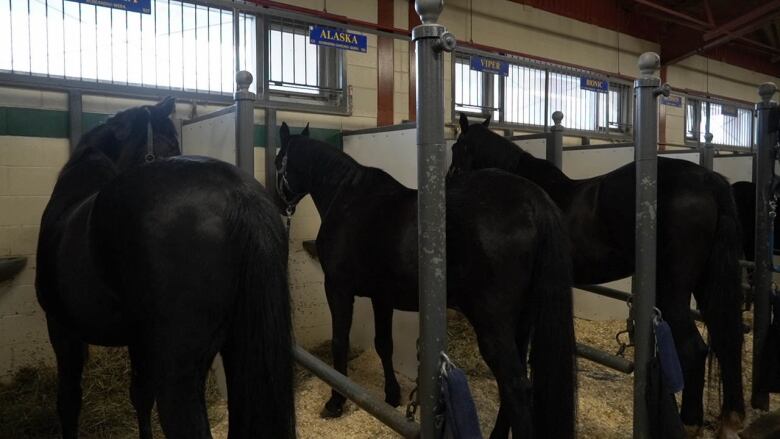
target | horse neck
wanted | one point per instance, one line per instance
(545, 174)
(333, 174)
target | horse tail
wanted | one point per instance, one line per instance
(720, 296)
(258, 355)
(553, 345)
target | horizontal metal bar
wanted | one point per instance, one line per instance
(368, 402)
(677, 151)
(107, 89)
(599, 146)
(529, 136)
(384, 129)
(621, 295)
(595, 355)
(739, 154)
(212, 115)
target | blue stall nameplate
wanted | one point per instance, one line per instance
(489, 65)
(672, 100)
(142, 6)
(729, 110)
(593, 84)
(338, 38)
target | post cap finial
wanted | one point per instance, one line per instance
(708, 137)
(428, 10)
(244, 80)
(648, 63)
(557, 117)
(766, 91)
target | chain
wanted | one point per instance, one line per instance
(411, 408)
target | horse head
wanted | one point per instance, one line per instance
(135, 136)
(465, 149)
(291, 177)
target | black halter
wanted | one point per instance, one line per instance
(150, 155)
(283, 188)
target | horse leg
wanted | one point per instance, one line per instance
(383, 343)
(71, 354)
(501, 428)
(141, 391)
(499, 349)
(181, 398)
(340, 303)
(692, 352)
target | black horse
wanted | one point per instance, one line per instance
(698, 250)
(508, 271)
(745, 197)
(177, 258)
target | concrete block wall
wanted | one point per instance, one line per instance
(28, 169)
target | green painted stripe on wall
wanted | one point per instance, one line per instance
(29, 122)
(33, 122)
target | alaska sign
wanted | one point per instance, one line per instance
(338, 38)
(489, 65)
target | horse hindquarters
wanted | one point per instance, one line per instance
(553, 363)
(720, 297)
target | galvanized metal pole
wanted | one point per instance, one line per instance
(270, 149)
(646, 90)
(555, 148)
(762, 276)
(707, 152)
(245, 123)
(431, 40)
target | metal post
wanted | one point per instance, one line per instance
(762, 276)
(245, 123)
(646, 90)
(707, 152)
(74, 118)
(430, 40)
(270, 149)
(555, 145)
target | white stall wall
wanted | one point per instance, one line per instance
(734, 168)
(214, 137)
(396, 153)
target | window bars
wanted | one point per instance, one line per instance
(532, 90)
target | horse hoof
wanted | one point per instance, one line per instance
(692, 431)
(393, 401)
(331, 412)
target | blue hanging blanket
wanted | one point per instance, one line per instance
(460, 414)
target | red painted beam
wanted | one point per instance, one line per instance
(745, 22)
(384, 66)
(672, 12)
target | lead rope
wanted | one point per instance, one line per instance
(149, 157)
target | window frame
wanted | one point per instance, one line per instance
(702, 116)
(623, 129)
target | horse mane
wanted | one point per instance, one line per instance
(327, 157)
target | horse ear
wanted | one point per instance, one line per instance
(464, 123)
(305, 132)
(284, 135)
(486, 123)
(165, 108)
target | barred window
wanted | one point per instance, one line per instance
(730, 123)
(522, 96)
(299, 70)
(58, 38)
